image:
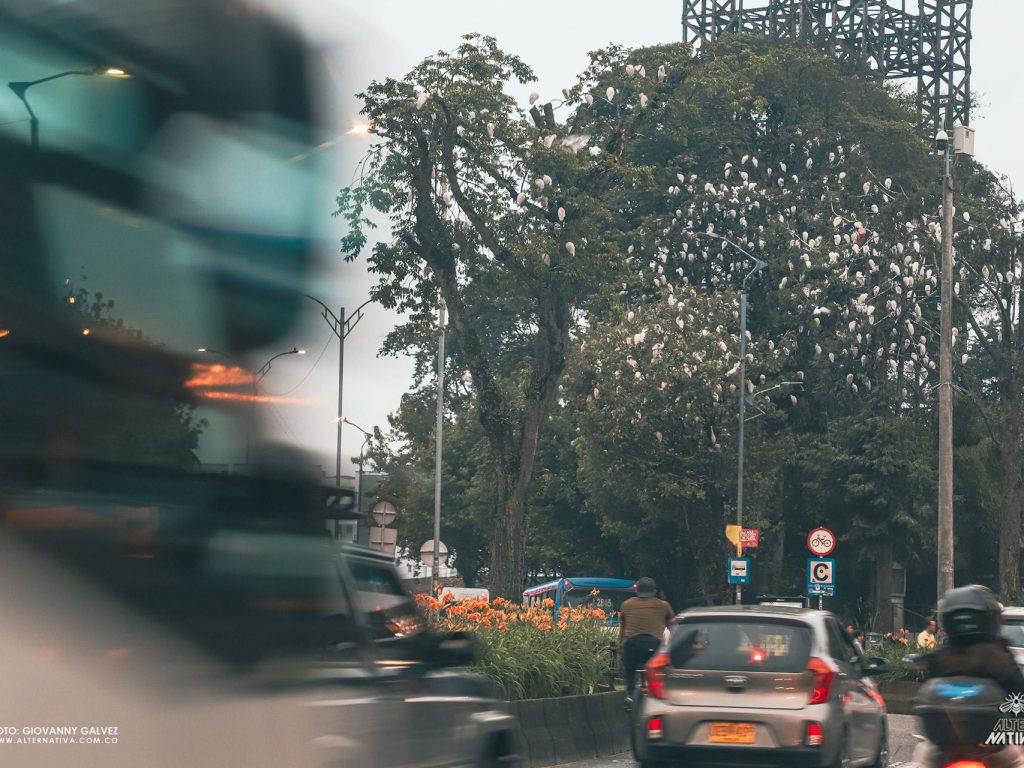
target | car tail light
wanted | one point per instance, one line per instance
(965, 764)
(654, 674)
(757, 656)
(655, 728)
(824, 675)
(814, 736)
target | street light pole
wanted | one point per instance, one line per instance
(20, 88)
(362, 448)
(759, 264)
(341, 326)
(437, 459)
(256, 379)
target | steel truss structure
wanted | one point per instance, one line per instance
(924, 40)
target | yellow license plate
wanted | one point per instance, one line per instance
(733, 733)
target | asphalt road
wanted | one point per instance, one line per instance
(901, 747)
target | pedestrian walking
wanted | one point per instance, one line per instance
(642, 623)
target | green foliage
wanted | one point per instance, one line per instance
(532, 663)
(691, 166)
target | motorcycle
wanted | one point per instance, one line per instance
(968, 722)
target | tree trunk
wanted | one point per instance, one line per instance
(508, 537)
(1010, 427)
(883, 587)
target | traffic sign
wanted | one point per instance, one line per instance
(821, 576)
(749, 537)
(821, 542)
(819, 590)
(384, 513)
(739, 570)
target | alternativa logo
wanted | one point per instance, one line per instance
(1014, 703)
(1009, 730)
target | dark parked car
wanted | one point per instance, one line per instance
(760, 685)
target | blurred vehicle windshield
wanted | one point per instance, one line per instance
(155, 242)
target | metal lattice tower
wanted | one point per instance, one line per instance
(924, 40)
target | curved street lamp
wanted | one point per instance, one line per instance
(341, 327)
(362, 448)
(20, 88)
(256, 379)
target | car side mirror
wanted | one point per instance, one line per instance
(875, 666)
(455, 649)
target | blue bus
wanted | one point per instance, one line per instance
(583, 591)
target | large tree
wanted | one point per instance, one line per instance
(509, 226)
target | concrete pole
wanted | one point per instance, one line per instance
(945, 527)
(437, 460)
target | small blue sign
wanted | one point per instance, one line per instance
(739, 570)
(821, 576)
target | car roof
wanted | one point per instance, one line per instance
(357, 550)
(753, 611)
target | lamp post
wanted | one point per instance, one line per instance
(362, 448)
(759, 264)
(20, 88)
(256, 379)
(341, 327)
(437, 458)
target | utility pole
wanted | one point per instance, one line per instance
(945, 522)
(437, 460)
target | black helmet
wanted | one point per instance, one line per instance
(970, 614)
(645, 587)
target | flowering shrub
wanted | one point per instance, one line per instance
(525, 650)
(896, 645)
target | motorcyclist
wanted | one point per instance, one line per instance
(642, 623)
(971, 617)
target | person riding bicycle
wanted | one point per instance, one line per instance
(970, 617)
(642, 623)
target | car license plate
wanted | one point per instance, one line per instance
(733, 733)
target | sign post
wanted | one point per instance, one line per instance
(821, 570)
(739, 570)
(821, 578)
(740, 537)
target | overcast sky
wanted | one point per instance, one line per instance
(373, 40)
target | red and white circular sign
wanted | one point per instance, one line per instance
(821, 542)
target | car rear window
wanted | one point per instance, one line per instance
(1013, 631)
(744, 645)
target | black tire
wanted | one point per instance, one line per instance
(843, 757)
(882, 758)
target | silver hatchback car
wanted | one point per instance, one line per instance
(760, 686)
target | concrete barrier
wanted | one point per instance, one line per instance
(572, 728)
(898, 696)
